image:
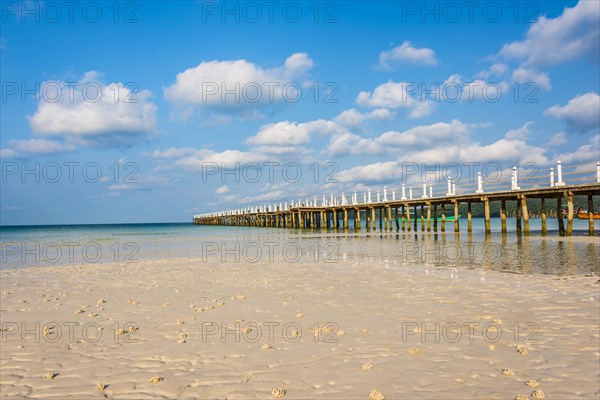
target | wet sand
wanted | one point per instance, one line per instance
(183, 328)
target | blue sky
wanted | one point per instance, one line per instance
(130, 100)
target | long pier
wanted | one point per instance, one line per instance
(395, 210)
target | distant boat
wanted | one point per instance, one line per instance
(584, 214)
(449, 218)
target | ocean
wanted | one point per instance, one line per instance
(57, 245)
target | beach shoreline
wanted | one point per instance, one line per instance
(241, 330)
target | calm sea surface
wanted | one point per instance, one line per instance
(27, 246)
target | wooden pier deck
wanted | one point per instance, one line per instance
(395, 213)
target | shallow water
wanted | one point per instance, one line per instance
(24, 246)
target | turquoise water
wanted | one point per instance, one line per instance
(27, 246)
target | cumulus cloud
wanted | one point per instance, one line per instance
(427, 135)
(421, 109)
(286, 138)
(388, 95)
(573, 34)
(354, 119)
(586, 152)
(276, 141)
(227, 157)
(276, 195)
(393, 141)
(558, 139)
(349, 143)
(8, 153)
(512, 147)
(438, 143)
(524, 75)
(269, 193)
(519, 133)
(238, 86)
(92, 113)
(350, 118)
(281, 133)
(393, 95)
(174, 152)
(469, 91)
(581, 113)
(41, 146)
(193, 159)
(422, 98)
(289, 137)
(375, 172)
(407, 53)
(496, 69)
(297, 64)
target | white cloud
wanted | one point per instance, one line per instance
(573, 34)
(195, 159)
(286, 138)
(380, 113)
(558, 139)
(524, 75)
(395, 95)
(427, 135)
(238, 85)
(456, 88)
(581, 113)
(497, 69)
(354, 119)
(270, 192)
(41, 146)
(268, 196)
(483, 90)
(391, 142)
(407, 53)
(350, 143)
(297, 64)
(587, 152)
(512, 147)
(289, 137)
(437, 143)
(350, 118)
(227, 157)
(380, 171)
(519, 133)
(8, 153)
(282, 150)
(421, 109)
(174, 152)
(93, 113)
(422, 98)
(281, 133)
(387, 95)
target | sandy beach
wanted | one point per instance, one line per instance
(277, 200)
(185, 328)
